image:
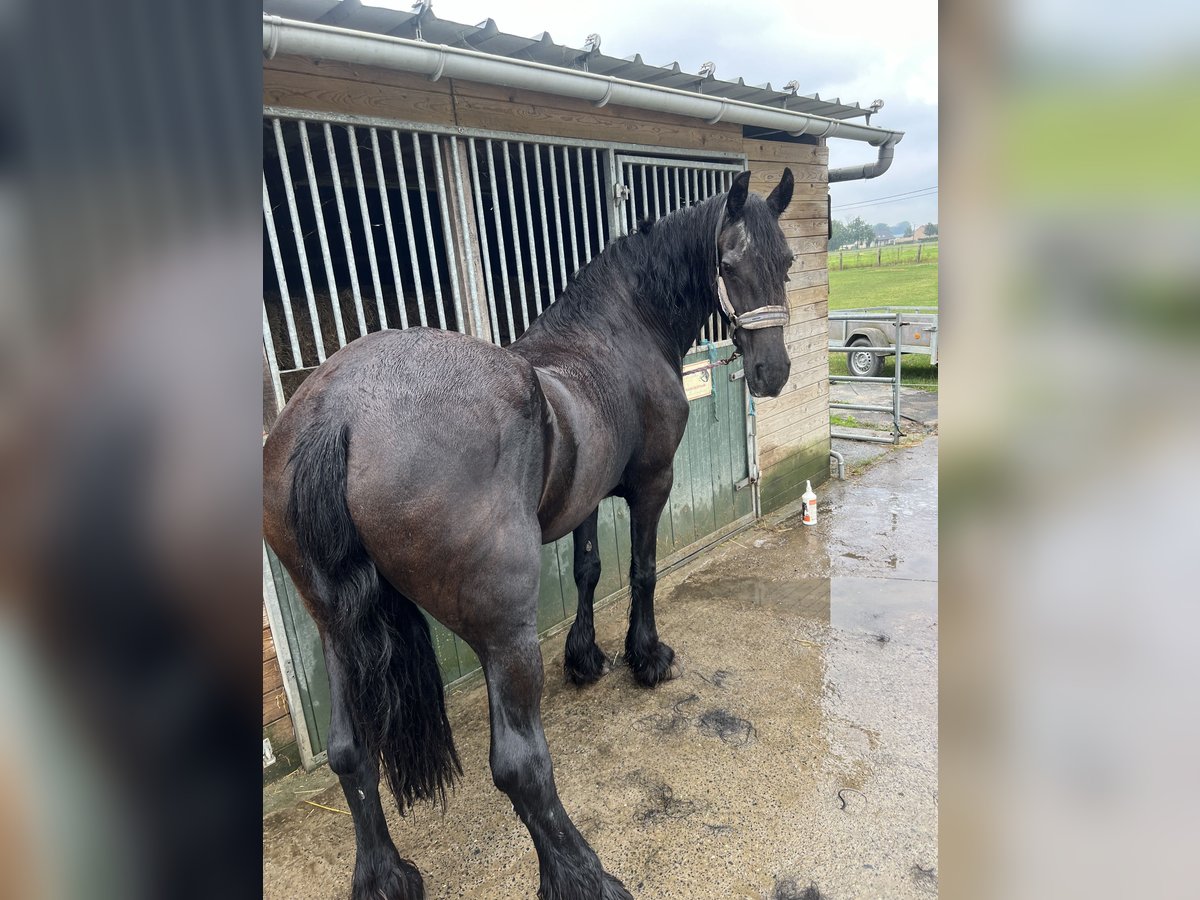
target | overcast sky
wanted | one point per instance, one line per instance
(873, 49)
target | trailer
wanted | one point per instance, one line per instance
(919, 334)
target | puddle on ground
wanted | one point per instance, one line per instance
(888, 609)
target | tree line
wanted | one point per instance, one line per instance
(857, 231)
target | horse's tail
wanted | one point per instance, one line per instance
(393, 687)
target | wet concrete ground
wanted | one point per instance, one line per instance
(798, 750)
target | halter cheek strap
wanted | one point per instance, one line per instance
(772, 316)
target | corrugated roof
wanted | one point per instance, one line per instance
(488, 38)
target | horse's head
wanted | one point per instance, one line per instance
(753, 262)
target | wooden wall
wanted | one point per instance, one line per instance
(793, 429)
(277, 721)
(360, 90)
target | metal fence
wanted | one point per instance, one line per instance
(372, 224)
(894, 408)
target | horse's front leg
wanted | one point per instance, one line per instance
(585, 662)
(652, 661)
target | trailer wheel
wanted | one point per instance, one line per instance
(866, 365)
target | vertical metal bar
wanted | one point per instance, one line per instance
(583, 210)
(600, 236)
(570, 207)
(272, 362)
(512, 330)
(429, 250)
(315, 193)
(896, 382)
(645, 200)
(367, 230)
(413, 264)
(686, 199)
(464, 227)
(613, 178)
(562, 259)
(675, 181)
(657, 214)
(537, 288)
(481, 224)
(516, 237)
(284, 296)
(629, 212)
(541, 195)
(298, 236)
(447, 235)
(393, 255)
(516, 234)
(345, 222)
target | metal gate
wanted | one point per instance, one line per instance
(371, 224)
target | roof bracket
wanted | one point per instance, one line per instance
(608, 92)
(720, 113)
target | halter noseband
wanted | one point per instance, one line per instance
(773, 316)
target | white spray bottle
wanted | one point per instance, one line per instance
(810, 505)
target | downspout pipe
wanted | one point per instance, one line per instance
(435, 61)
(887, 150)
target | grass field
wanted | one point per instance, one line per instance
(903, 285)
(894, 255)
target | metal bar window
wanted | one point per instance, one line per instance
(466, 219)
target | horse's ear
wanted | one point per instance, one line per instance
(736, 198)
(782, 195)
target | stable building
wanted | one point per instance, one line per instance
(420, 172)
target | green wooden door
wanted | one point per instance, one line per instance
(705, 502)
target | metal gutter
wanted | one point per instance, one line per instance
(435, 61)
(887, 151)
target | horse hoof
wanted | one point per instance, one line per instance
(655, 667)
(586, 667)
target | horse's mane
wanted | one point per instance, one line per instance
(665, 268)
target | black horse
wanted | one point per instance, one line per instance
(427, 467)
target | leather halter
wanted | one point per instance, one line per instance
(772, 316)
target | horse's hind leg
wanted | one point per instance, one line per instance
(379, 871)
(502, 628)
(584, 661)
